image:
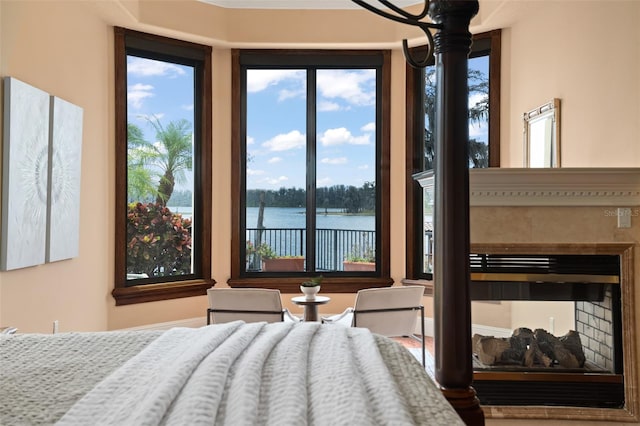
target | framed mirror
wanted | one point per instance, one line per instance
(542, 135)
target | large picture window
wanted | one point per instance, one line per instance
(163, 163)
(312, 137)
(484, 140)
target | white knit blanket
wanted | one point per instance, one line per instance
(259, 374)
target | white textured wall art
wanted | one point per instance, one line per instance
(63, 226)
(24, 175)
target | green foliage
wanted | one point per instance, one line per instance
(263, 250)
(350, 199)
(366, 253)
(174, 155)
(153, 168)
(478, 85)
(140, 186)
(158, 241)
(313, 282)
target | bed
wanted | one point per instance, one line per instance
(313, 374)
(234, 373)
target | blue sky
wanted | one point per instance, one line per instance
(276, 120)
(159, 89)
(276, 128)
(162, 90)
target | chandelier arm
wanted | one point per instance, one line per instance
(402, 20)
(382, 13)
(406, 14)
(410, 19)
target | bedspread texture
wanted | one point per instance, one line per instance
(225, 374)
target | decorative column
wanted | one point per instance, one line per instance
(454, 368)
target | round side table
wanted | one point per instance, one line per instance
(310, 306)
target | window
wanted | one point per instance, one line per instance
(311, 135)
(163, 168)
(484, 139)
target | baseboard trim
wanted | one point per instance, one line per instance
(189, 322)
(484, 330)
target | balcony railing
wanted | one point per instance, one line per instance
(333, 246)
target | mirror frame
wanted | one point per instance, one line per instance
(547, 113)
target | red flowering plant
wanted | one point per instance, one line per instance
(159, 241)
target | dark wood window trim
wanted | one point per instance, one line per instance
(197, 283)
(415, 144)
(288, 283)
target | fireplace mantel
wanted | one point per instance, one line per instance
(611, 187)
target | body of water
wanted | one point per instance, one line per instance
(292, 217)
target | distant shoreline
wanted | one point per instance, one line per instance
(343, 213)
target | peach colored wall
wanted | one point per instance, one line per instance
(587, 53)
(65, 48)
(60, 48)
(592, 70)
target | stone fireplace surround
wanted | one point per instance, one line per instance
(564, 211)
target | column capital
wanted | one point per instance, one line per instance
(454, 16)
(440, 10)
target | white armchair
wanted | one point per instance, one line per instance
(389, 311)
(246, 304)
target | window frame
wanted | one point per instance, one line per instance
(415, 146)
(334, 282)
(162, 48)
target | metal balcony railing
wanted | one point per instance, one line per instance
(333, 246)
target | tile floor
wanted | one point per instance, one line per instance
(414, 347)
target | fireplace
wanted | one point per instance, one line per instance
(587, 285)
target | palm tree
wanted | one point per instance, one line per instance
(170, 155)
(175, 155)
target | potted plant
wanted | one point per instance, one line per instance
(311, 288)
(360, 259)
(272, 262)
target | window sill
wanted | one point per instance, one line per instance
(427, 284)
(329, 285)
(156, 292)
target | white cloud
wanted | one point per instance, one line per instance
(250, 140)
(254, 172)
(258, 80)
(363, 167)
(325, 106)
(285, 94)
(277, 181)
(340, 136)
(148, 67)
(283, 142)
(187, 107)
(334, 161)
(355, 87)
(136, 93)
(337, 136)
(274, 160)
(369, 127)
